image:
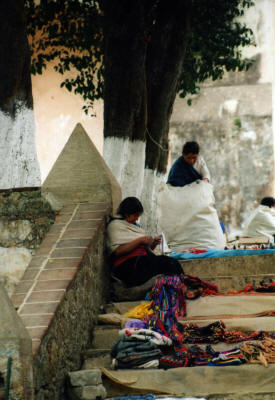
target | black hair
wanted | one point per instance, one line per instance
(191, 147)
(129, 206)
(268, 201)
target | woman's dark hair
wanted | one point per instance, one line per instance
(129, 206)
(268, 201)
(191, 147)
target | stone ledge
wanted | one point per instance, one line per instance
(59, 296)
(55, 265)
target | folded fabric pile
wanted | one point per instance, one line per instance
(138, 348)
(145, 335)
(135, 353)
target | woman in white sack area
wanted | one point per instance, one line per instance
(133, 260)
(262, 221)
(187, 215)
(189, 167)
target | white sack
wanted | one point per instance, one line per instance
(261, 223)
(188, 218)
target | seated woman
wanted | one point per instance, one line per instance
(189, 167)
(262, 221)
(132, 251)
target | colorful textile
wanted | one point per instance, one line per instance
(216, 332)
(168, 303)
(219, 253)
(148, 396)
(135, 323)
(226, 358)
(140, 311)
(146, 334)
(262, 287)
(196, 356)
(196, 287)
(168, 296)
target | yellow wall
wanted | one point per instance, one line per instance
(57, 111)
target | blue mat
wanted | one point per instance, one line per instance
(220, 253)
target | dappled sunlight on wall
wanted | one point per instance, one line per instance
(57, 111)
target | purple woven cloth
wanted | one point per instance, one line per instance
(135, 323)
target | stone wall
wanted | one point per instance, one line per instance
(25, 218)
(232, 119)
(15, 349)
(61, 292)
(233, 125)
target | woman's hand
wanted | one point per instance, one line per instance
(147, 240)
(156, 241)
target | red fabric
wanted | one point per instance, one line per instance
(197, 251)
(140, 251)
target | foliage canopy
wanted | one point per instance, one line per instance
(71, 32)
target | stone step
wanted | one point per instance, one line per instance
(247, 382)
(226, 283)
(245, 324)
(96, 358)
(104, 336)
(232, 272)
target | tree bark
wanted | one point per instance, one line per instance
(145, 43)
(125, 99)
(163, 68)
(15, 83)
(18, 160)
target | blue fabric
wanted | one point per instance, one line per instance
(222, 226)
(220, 253)
(149, 396)
(182, 173)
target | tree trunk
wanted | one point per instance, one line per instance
(164, 65)
(163, 68)
(125, 98)
(144, 51)
(19, 164)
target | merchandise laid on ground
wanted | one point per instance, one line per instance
(188, 339)
(197, 254)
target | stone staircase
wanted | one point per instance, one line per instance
(233, 273)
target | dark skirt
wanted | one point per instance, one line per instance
(137, 270)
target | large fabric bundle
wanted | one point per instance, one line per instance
(188, 218)
(261, 222)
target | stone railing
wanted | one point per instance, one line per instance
(67, 280)
(62, 291)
